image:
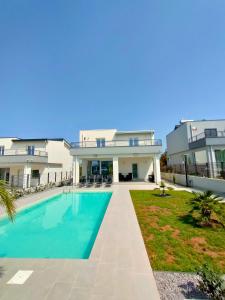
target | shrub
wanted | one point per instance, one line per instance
(174, 179)
(206, 205)
(211, 283)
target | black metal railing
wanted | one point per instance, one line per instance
(215, 170)
(117, 143)
(17, 181)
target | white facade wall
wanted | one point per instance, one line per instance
(39, 145)
(59, 152)
(58, 160)
(92, 135)
(127, 136)
(113, 135)
(6, 142)
(178, 141)
(201, 157)
(121, 155)
(215, 185)
(199, 126)
(145, 166)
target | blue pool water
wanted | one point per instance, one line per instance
(64, 226)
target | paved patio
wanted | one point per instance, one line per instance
(118, 267)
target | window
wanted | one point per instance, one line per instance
(220, 155)
(35, 174)
(211, 132)
(30, 150)
(100, 142)
(133, 142)
(2, 150)
(95, 167)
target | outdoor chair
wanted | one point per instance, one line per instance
(82, 181)
(98, 182)
(108, 181)
(90, 181)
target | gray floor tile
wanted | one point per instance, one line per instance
(79, 294)
(60, 290)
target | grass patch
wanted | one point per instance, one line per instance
(173, 240)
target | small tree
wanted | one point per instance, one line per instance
(211, 283)
(7, 200)
(163, 159)
(206, 204)
(163, 188)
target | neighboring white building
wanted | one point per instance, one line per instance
(127, 155)
(30, 162)
(203, 142)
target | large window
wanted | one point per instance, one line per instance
(30, 150)
(96, 167)
(100, 142)
(211, 132)
(35, 174)
(220, 155)
(2, 150)
(106, 167)
(133, 142)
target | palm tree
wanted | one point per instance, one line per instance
(206, 204)
(7, 200)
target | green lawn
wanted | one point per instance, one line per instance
(172, 240)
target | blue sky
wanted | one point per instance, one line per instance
(67, 65)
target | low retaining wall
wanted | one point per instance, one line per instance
(215, 185)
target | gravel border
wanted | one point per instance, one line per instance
(178, 286)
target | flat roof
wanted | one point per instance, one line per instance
(8, 137)
(41, 139)
(120, 132)
(135, 131)
(203, 120)
(183, 122)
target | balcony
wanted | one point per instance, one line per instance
(22, 156)
(202, 140)
(116, 147)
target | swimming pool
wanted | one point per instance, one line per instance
(63, 226)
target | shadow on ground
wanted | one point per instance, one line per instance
(189, 219)
(2, 270)
(190, 291)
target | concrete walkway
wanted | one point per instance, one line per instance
(118, 267)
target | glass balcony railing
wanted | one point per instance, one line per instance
(204, 135)
(117, 143)
(9, 152)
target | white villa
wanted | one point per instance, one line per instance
(202, 142)
(30, 162)
(126, 155)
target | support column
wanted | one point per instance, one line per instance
(26, 176)
(211, 159)
(84, 167)
(115, 169)
(76, 170)
(156, 165)
(100, 167)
